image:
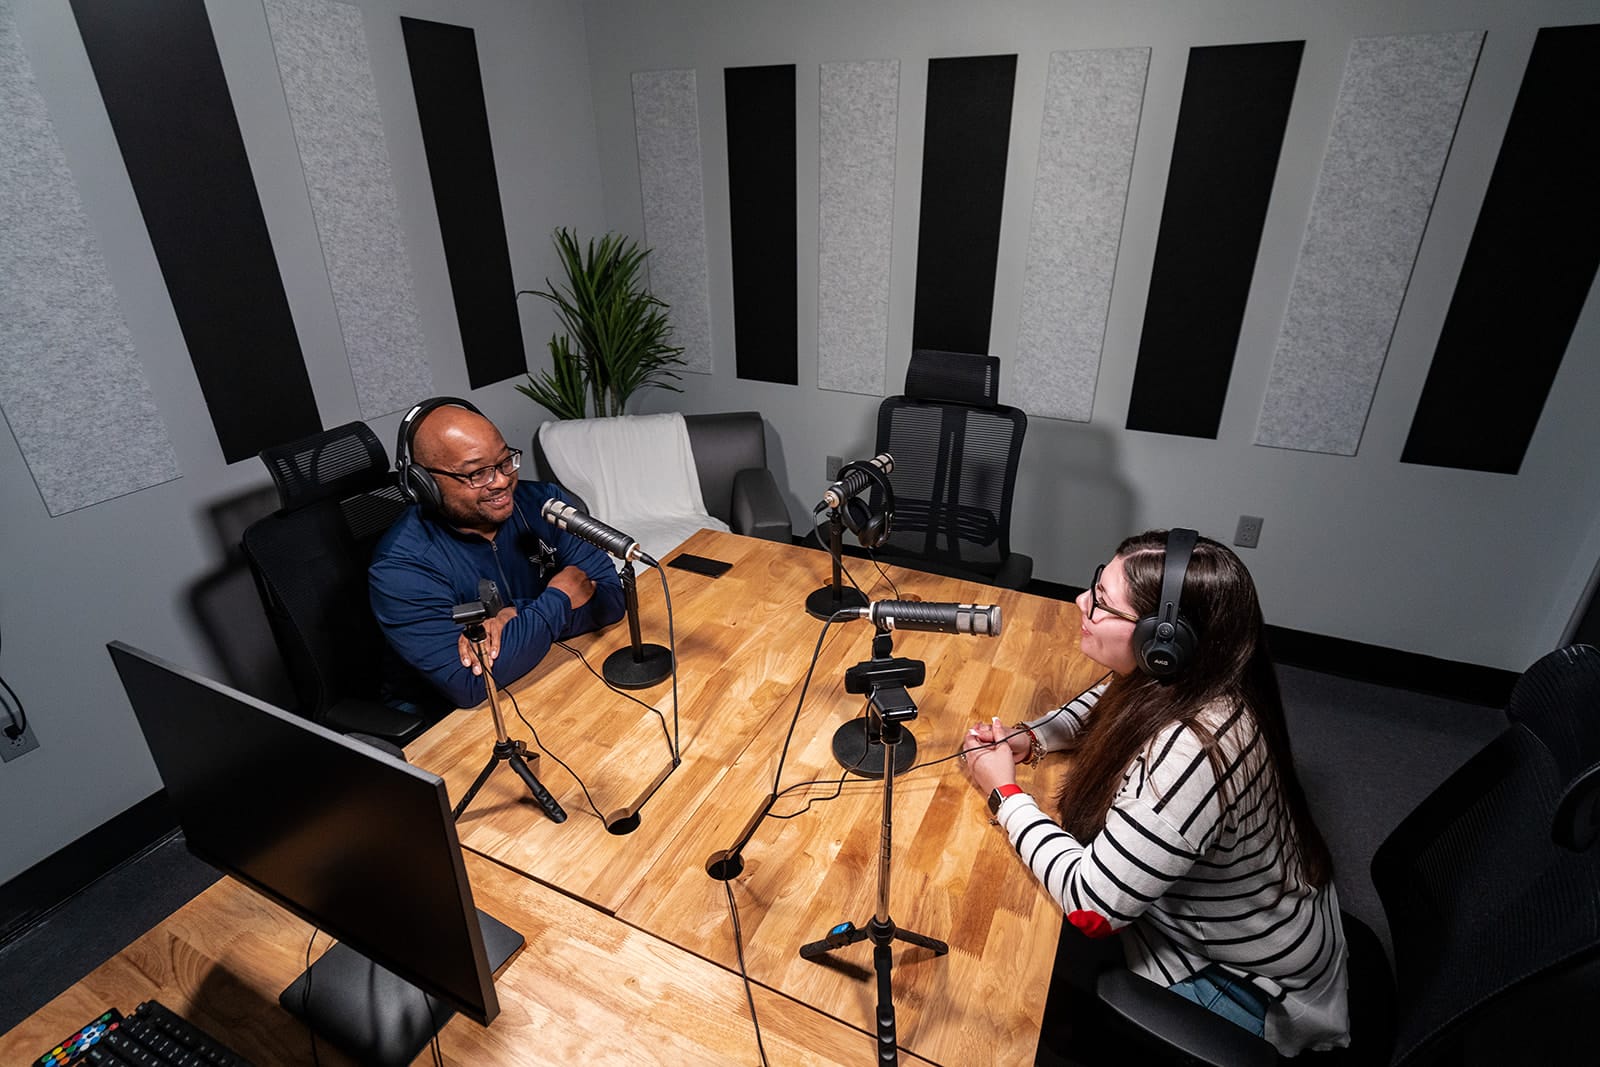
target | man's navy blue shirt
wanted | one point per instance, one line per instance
(423, 567)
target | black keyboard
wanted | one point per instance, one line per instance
(155, 1036)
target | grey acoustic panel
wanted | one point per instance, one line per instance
(859, 114)
(333, 105)
(1395, 117)
(1091, 121)
(666, 123)
(72, 387)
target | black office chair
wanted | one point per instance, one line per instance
(956, 451)
(1492, 892)
(337, 495)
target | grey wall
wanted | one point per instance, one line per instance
(1481, 568)
(124, 568)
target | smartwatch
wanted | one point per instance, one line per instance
(998, 794)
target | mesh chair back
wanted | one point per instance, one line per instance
(1479, 900)
(955, 470)
(310, 562)
(1558, 700)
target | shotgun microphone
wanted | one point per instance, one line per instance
(980, 619)
(592, 530)
(855, 481)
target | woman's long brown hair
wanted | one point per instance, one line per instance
(1229, 667)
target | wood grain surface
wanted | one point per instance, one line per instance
(631, 956)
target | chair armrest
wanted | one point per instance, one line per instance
(1015, 572)
(758, 507)
(1181, 1024)
(359, 716)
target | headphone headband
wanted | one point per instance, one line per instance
(858, 518)
(1163, 641)
(416, 483)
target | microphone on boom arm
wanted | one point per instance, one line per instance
(566, 517)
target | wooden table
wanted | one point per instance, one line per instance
(744, 644)
(631, 955)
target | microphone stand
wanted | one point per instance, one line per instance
(505, 749)
(640, 665)
(828, 599)
(889, 705)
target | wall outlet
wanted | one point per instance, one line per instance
(25, 743)
(1248, 533)
(834, 463)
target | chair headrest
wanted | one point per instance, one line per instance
(335, 463)
(959, 377)
(1558, 701)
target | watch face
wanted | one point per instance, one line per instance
(994, 801)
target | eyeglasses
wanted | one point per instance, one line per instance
(483, 476)
(1094, 600)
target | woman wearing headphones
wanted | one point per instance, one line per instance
(1182, 826)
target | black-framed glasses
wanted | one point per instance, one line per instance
(483, 476)
(1094, 600)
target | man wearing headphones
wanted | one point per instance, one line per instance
(472, 520)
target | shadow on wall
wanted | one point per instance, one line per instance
(1072, 506)
(228, 609)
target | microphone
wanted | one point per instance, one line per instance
(980, 619)
(592, 530)
(855, 481)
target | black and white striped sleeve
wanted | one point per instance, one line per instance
(1059, 727)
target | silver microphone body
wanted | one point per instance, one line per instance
(980, 619)
(560, 514)
(854, 481)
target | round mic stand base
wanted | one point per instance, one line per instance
(637, 668)
(827, 599)
(861, 753)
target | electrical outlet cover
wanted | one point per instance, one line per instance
(10, 750)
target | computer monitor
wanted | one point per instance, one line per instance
(358, 843)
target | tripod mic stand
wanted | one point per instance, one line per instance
(890, 705)
(505, 749)
(823, 602)
(639, 665)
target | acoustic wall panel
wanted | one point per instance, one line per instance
(666, 129)
(448, 85)
(1091, 121)
(967, 131)
(761, 221)
(333, 105)
(859, 114)
(71, 385)
(1224, 157)
(162, 82)
(1396, 115)
(1528, 269)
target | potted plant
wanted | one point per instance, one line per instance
(616, 332)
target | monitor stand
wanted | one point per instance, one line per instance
(372, 1013)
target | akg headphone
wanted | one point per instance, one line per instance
(416, 484)
(1164, 642)
(871, 530)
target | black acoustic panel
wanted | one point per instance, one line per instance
(966, 132)
(455, 136)
(159, 73)
(761, 209)
(1528, 269)
(1224, 157)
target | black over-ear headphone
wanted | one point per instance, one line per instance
(416, 484)
(869, 529)
(1164, 642)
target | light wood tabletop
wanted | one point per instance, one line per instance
(631, 955)
(585, 988)
(745, 643)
